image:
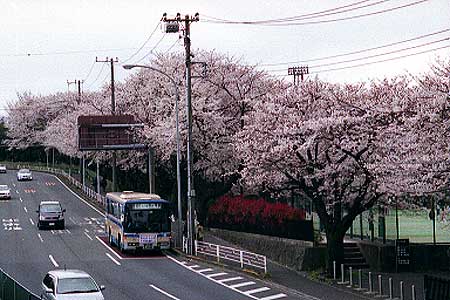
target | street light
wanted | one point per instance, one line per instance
(129, 67)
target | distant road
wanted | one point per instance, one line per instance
(28, 253)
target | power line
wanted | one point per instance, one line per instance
(375, 55)
(380, 61)
(68, 52)
(332, 11)
(90, 71)
(151, 51)
(262, 23)
(356, 52)
(96, 78)
(143, 45)
(170, 48)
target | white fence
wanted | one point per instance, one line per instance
(241, 257)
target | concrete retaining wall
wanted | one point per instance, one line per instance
(295, 254)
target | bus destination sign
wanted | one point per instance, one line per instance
(138, 206)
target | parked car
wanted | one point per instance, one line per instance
(24, 174)
(5, 192)
(50, 214)
(2, 169)
(70, 284)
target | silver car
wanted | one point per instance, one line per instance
(24, 174)
(5, 192)
(2, 169)
(70, 284)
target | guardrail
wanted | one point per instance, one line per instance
(88, 192)
(12, 290)
(243, 258)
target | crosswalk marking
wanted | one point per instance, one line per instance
(258, 290)
(216, 274)
(242, 284)
(273, 297)
(229, 279)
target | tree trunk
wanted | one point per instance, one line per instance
(335, 251)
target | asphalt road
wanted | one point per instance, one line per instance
(28, 253)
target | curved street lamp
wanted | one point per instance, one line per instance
(129, 67)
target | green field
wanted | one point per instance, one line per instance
(413, 225)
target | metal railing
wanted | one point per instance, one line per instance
(12, 290)
(243, 258)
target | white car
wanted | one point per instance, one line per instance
(5, 192)
(70, 284)
(24, 174)
(2, 169)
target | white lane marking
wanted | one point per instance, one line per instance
(112, 258)
(20, 199)
(52, 231)
(212, 279)
(31, 221)
(14, 185)
(86, 230)
(53, 261)
(164, 292)
(273, 297)
(194, 266)
(88, 236)
(109, 248)
(258, 290)
(40, 237)
(73, 221)
(235, 286)
(68, 231)
(25, 209)
(17, 191)
(75, 194)
(216, 275)
(205, 270)
(230, 279)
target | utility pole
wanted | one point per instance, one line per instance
(113, 112)
(171, 26)
(298, 72)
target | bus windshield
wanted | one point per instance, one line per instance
(146, 220)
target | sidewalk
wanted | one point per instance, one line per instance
(328, 289)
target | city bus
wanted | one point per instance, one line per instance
(137, 221)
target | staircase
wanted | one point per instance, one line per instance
(353, 257)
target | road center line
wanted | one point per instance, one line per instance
(40, 237)
(31, 221)
(112, 258)
(25, 209)
(53, 261)
(20, 199)
(164, 292)
(88, 236)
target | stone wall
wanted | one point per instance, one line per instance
(295, 254)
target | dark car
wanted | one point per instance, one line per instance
(50, 214)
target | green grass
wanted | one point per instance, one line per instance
(413, 225)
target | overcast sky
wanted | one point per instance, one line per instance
(44, 43)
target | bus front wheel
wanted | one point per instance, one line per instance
(110, 238)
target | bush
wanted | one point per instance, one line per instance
(259, 216)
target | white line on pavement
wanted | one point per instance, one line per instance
(20, 199)
(235, 286)
(68, 231)
(53, 261)
(17, 191)
(73, 221)
(112, 258)
(88, 236)
(164, 292)
(192, 267)
(205, 270)
(25, 209)
(230, 279)
(31, 221)
(75, 194)
(273, 297)
(109, 248)
(258, 290)
(14, 185)
(216, 274)
(86, 230)
(40, 237)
